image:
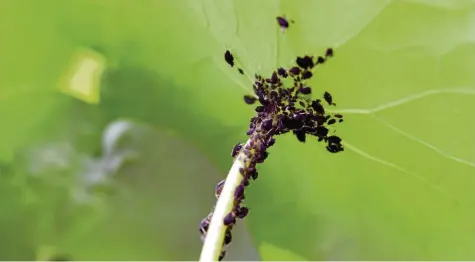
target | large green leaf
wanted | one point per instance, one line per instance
(402, 74)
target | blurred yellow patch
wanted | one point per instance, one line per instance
(271, 252)
(82, 80)
(43, 253)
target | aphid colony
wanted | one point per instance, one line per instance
(280, 102)
(281, 109)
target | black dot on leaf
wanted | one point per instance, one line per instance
(334, 144)
(328, 97)
(282, 72)
(300, 136)
(248, 99)
(294, 70)
(229, 58)
(305, 62)
(317, 106)
(305, 90)
(320, 60)
(283, 23)
(307, 75)
(322, 131)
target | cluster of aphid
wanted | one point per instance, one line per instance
(282, 109)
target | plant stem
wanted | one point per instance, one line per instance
(213, 243)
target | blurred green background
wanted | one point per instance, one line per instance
(119, 117)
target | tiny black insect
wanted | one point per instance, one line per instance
(328, 97)
(239, 192)
(222, 255)
(334, 144)
(300, 135)
(305, 90)
(282, 72)
(229, 58)
(248, 99)
(338, 115)
(307, 75)
(294, 70)
(229, 219)
(242, 212)
(241, 71)
(219, 188)
(228, 238)
(237, 148)
(331, 122)
(205, 225)
(305, 62)
(329, 52)
(283, 23)
(254, 175)
(322, 131)
(267, 124)
(317, 106)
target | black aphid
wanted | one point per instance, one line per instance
(300, 135)
(283, 23)
(338, 115)
(219, 188)
(229, 58)
(239, 192)
(306, 75)
(294, 71)
(329, 52)
(237, 148)
(222, 255)
(328, 97)
(306, 91)
(242, 212)
(282, 72)
(249, 99)
(320, 60)
(331, 121)
(254, 175)
(321, 131)
(204, 225)
(241, 71)
(229, 219)
(318, 107)
(305, 62)
(228, 237)
(334, 144)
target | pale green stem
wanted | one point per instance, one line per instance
(215, 236)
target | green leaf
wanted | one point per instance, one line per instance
(403, 188)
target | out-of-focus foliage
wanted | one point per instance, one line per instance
(119, 116)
